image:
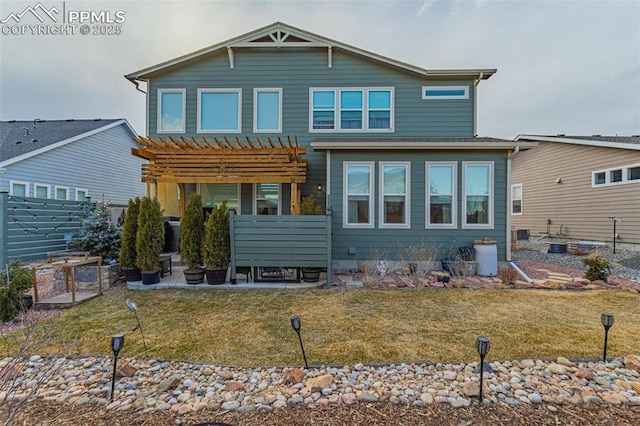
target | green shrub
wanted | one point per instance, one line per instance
(150, 235)
(309, 206)
(127, 256)
(216, 245)
(20, 279)
(99, 236)
(598, 268)
(192, 232)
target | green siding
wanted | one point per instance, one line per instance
(387, 241)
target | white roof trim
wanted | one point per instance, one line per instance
(559, 139)
(67, 141)
(412, 145)
(315, 40)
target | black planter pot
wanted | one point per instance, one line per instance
(311, 275)
(131, 274)
(150, 277)
(194, 276)
(27, 302)
(216, 276)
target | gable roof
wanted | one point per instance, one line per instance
(23, 139)
(621, 142)
(281, 35)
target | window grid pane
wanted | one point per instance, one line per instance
(477, 191)
(219, 111)
(171, 112)
(441, 194)
(358, 194)
(42, 192)
(616, 175)
(268, 110)
(600, 178)
(633, 173)
(351, 109)
(323, 110)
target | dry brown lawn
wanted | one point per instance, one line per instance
(252, 328)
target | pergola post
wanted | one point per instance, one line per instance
(295, 199)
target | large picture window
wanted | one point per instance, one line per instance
(171, 110)
(478, 194)
(358, 189)
(219, 110)
(351, 109)
(441, 194)
(267, 110)
(516, 199)
(394, 194)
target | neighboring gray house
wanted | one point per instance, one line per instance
(570, 187)
(70, 160)
(389, 148)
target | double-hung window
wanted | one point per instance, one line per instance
(267, 110)
(441, 194)
(351, 109)
(394, 195)
(478, 194)
(219, 110)
(19, 189)
(267, 199)
(516, 199)
(358, 190)
(171, 110)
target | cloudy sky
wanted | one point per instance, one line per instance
(569, 67)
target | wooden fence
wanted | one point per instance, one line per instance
(280, 241)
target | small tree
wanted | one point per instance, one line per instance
(127, 256)
(309, 206)
(14, 282)
(216, 245)
(192, 232)
(150, 235)
(99, 236)
(598, 268)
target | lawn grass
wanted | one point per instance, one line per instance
(252, 328)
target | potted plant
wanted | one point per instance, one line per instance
(15, 282)
(191, 233)
(308, 206)
(216, 245)
(149, 240)
(128, 253)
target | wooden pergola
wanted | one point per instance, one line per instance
(222, 160)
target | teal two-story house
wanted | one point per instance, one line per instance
(390, 149)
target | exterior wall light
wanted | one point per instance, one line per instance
(482, 346)
(295, 323)
(607, 322)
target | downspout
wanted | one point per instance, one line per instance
(508, 230)
(475, 103)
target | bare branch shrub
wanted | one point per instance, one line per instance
(508, 275)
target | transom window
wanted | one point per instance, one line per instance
(219, 110)
(358, 188)
(19, 189)
(394, 194)
(267, 199)
(516, 199)
(478, 194)
(441, 194)
(267, 110)
(171, 110)
(445, 92)
(616, 175)
(351, 109)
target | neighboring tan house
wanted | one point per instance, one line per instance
(389, 148)
(571, 187)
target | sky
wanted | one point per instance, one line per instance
(564, 67)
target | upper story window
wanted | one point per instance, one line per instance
(358, 190)
(18, 189)
(516, 199)
(394, 195)
(62, 193)
(171, 110)
(445, 92)
(478, 194)
(81, 194)
(267, 110)
(351, 109)
(42, 190)
(616, 175)
(219, 110)
(441, 194)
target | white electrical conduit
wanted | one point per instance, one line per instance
(519, 271)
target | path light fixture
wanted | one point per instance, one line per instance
(607, 322)
(117, 341)
(482, 346)
(295, 323)
(133, 307)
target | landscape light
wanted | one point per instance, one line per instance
(295, 323)
(482, 346)
(133, 307)
(607, 321)
(117, 341)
